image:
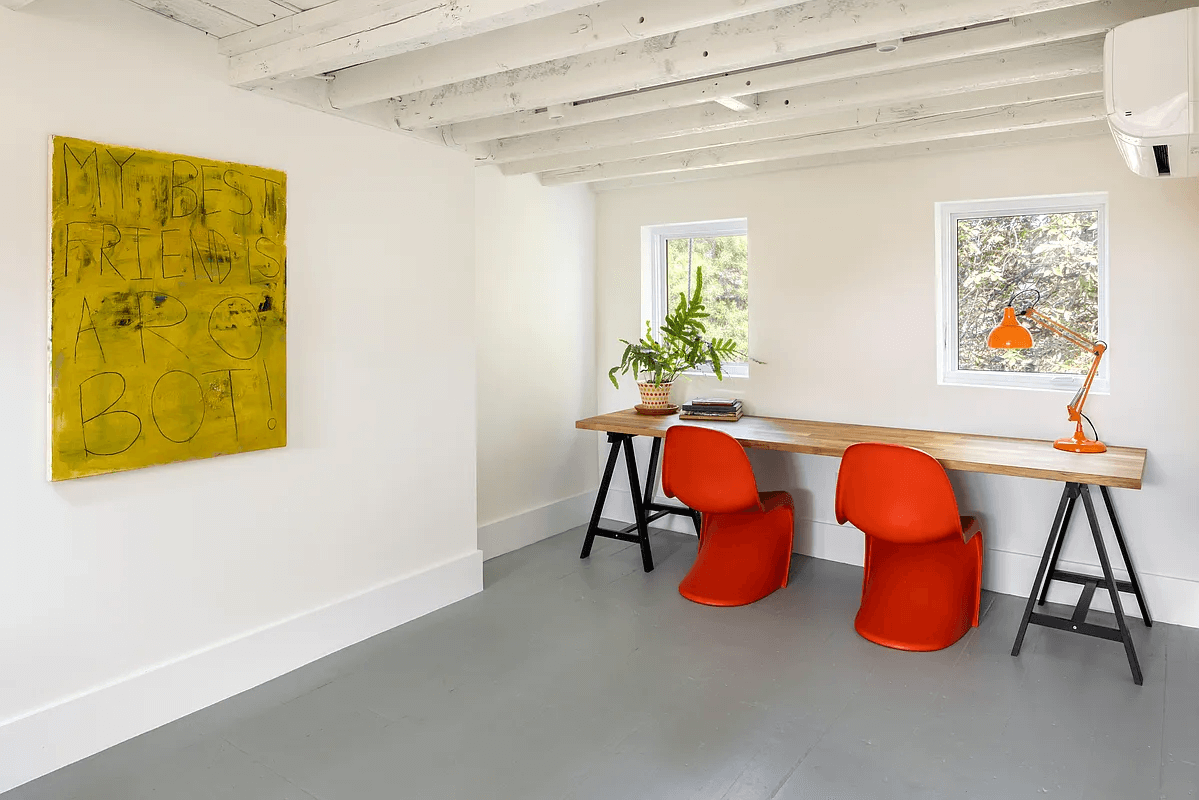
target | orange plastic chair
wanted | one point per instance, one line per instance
(745, 537)
(924, 562)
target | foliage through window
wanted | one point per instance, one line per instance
(721, 249)
(994, 249)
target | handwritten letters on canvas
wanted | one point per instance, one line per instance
(167, 308)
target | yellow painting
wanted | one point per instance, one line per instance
(168, 310)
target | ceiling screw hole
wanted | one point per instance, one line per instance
(705, 54)
(642, 20)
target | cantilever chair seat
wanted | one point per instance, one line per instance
(922, 577)
(745, 537)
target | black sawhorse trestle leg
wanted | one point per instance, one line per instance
(645, 508)
(1048, 572)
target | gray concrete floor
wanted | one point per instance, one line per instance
(590, 679)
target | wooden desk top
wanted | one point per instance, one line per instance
(1119, 467)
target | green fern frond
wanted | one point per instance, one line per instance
(680, 345)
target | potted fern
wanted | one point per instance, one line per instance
(680, 346)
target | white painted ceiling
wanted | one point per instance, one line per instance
(631, 92)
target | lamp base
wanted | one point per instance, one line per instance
(1086, 446)
(1079, 443)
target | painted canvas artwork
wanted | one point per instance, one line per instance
(167, 308)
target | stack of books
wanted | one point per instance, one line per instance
(713, 409)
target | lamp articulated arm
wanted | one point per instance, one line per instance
(1011, 335)
(1097, 348)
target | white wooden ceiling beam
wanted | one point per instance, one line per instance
(323, 17)
(595, 27)
(937, 147)
(844, 120)
(816, 27)
(313, 93)
(1022, 32)
(259, 12)
(300, 46)
(338, 17)
(971, 123)
(1043, 63)
(198, 14)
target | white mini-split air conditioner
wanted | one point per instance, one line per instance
(1151, 83)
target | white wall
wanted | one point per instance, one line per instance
(535, 266)
(103, 580)
(843, 307)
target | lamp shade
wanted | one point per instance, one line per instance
(1009, 334)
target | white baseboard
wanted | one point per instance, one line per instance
(1172, 600)
(49, 738)
(518, 531)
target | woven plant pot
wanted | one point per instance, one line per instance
(655, 395)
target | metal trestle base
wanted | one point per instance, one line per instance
(1048, 572)
(645, 509)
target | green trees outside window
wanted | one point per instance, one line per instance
(725, 264)
(997, 256)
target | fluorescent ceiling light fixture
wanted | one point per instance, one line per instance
(749, 103)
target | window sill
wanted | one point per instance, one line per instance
(728, 370)
(1029, 381)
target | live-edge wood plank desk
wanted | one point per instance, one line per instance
(1119, 467)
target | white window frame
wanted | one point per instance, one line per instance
(948, 215)
(654, 302)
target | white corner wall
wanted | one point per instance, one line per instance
(535, 268)
(128, 600)
(843, 309)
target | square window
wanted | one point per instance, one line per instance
(721, 249)
(991, 250)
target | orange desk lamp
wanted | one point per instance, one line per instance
(1011, 335)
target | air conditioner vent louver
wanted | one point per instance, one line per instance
(1161, 154)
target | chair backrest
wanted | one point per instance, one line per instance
(708, 470)
(896, 493)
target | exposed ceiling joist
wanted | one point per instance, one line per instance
(819, 26)
(301, 46)
(626, 92)
(323, 17)
(845, 120)
(257, 12)
(198, 14)
(313, 93)
(939, 146)
(595, 27)
(919, 83)
(1028, 31)
(971, 123)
